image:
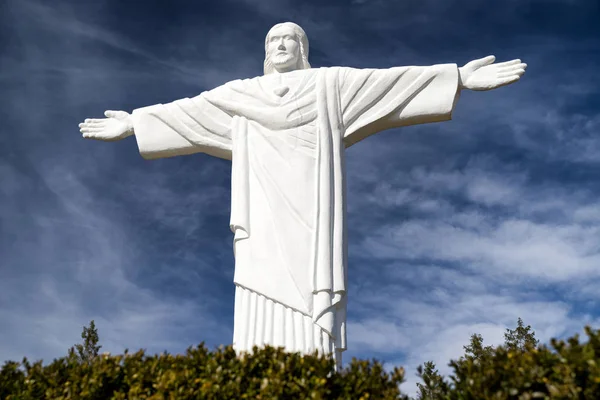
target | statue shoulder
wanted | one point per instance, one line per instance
(337, 73)
(226, 90)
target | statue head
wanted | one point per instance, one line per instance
(286, 49)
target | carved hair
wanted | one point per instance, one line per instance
(300, 37)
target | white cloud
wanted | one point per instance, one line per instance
(514, 247)
(469, 251)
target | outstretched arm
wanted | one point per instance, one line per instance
(182, 127)
(158, 132)
(373, 100)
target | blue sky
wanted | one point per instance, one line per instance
(455, 228)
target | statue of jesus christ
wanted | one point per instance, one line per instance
(285, 133)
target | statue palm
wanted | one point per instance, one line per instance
(483, 74)
(116, 126)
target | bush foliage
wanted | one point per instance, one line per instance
(566, 370)
(521, 369)
(199, 374)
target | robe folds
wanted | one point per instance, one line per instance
(288, 183)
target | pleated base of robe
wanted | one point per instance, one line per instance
(259, 321)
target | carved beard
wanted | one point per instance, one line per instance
(281, 59)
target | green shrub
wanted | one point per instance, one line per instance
(199, 374)
(571, 371)
(565, 370)
(520, 370)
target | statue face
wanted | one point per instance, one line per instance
(283, 48)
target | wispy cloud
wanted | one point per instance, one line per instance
(82, 264)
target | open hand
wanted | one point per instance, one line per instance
(116, 126)
(483, 74)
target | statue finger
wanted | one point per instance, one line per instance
(95, 121)
(505, 64)
(88, 129)
(512, 67)
(508, 63)
(88, 135)
(111, 113)
(91, 125)
(506, 74)
(507, 81)
(482, 62)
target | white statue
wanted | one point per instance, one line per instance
(285, 133)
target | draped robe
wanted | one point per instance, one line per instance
(288, 183)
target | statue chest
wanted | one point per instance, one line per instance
(287, 114)
(276, 103)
